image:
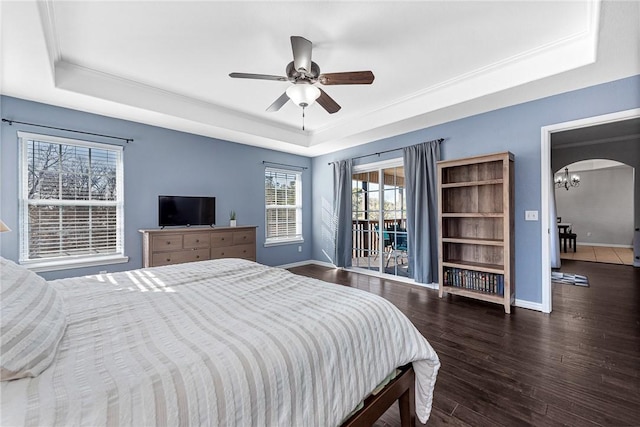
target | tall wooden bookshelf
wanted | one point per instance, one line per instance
(476, 228)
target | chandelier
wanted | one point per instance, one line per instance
(563, 180)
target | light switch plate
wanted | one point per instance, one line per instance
(530, 215)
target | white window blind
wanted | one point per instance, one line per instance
(71, 203)
(283, 202)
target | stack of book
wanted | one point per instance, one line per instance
(474, 280)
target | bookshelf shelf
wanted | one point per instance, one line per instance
(474, 266)
(475, 294)
(472, 214)
(475, 237)
(472, 183)
(473, 241)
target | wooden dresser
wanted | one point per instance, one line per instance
(178, 245)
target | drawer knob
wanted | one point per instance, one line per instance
(222, 238)
(197, 256)
(197, 240)
(244, 237)
(168, 242)
(168, 259)
(222, 253)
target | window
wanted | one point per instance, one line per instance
(71, 203)
(283, 203)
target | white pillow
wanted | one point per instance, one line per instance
(32, 321)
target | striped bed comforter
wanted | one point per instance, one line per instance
(222, 342)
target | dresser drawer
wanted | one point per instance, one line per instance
(196, 240)
(238, 251)
(243, 237)
(221, 239)
(177, 257)
(166, 242)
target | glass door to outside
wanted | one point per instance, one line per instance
(379, 223)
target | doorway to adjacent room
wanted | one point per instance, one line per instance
(614, 136)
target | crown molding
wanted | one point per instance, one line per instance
(48, 22)
(400, 116)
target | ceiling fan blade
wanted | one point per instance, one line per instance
(301, 53)
(257, 76)
(347, 78)
(327, 102)
(278, 103)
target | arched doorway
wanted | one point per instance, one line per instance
(595, 204)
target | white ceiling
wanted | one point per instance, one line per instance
(591, 165)
(167, 63)
(618, 131)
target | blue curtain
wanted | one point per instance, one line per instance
(422, 210)
(342, 212)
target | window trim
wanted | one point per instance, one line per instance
(299, 238)
(71, 261)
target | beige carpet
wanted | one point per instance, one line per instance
(600, 254)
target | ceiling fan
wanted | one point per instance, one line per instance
(304, 74)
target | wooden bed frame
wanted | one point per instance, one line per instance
(401, 388)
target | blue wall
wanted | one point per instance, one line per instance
(159, 161)
(515, 129)
(162, 161)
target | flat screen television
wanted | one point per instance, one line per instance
(186, 211)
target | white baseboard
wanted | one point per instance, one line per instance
(322, 263)
(528, 304)
(607, 245)
(307, 262)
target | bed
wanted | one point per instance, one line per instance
(222, 342)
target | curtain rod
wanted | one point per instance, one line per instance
(264, 162)
(387, 151)
(11, 122)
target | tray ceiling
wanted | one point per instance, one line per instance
(167, 63)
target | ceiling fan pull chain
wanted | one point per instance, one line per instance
(303, 118)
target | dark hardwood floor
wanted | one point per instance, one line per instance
(578, 366)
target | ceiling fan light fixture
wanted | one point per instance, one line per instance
(303, 94)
